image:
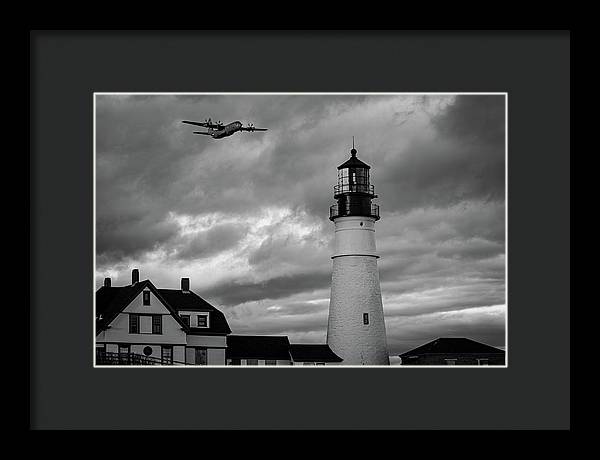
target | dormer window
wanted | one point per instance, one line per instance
(202, 320)
(146, 297)
(186, 319)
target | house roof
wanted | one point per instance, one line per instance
(313, 353)
(448, 345)
(190, 301)
(110, 301)
(180, 300)
(258, 347)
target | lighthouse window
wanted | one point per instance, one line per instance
(365, 318)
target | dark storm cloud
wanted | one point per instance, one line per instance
(246, 217)
(131, 236)
(463, 159)
(206, 243)
(235, 292)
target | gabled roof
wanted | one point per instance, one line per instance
(449, 345)
(258, 347)
(313, 353)
(110, 301)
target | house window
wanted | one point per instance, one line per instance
(134, 324)
(252, 362)
(365, 318)
(320, 364)
(167, 354)
(201, 357)
(482, 361)
(270, 362)
(157, 324)
(186, 319)
(146, 297)
(450, 362)
(235, 362)
(202, 320)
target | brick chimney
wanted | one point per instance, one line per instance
(135, 276)
(185, 285)
(106, 282)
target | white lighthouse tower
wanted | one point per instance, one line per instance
(356, 327)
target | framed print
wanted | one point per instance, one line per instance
(374, 216)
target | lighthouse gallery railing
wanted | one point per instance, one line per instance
(353, 210)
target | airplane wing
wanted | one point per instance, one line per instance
(202, 132)
(204, 124)
(197, 123)
(251, 128)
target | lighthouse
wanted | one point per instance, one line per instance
(356, 326)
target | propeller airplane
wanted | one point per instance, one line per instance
(218, 130)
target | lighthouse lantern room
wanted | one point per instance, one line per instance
(354, 191)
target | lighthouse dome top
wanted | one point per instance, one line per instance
(353, 162)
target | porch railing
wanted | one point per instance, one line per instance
(105, 358)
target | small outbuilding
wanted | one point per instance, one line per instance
(258, 350)
(313, 354)
(449, 351)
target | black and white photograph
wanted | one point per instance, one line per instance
(300, 229)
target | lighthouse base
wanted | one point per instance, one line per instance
(356, 327)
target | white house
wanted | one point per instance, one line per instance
(140, 324)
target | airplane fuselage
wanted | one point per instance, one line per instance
(226, 131)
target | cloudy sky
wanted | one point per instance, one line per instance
(246, 217)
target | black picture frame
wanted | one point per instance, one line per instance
(66, 68)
